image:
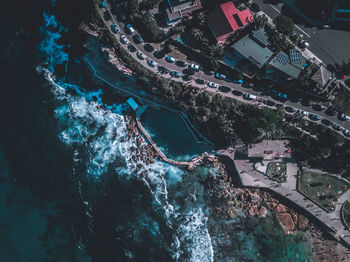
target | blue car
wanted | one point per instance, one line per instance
(103, 4)
(220, 76)
(176, 74)
(115, 29)
(170, 59)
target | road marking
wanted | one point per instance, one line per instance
(278, 11)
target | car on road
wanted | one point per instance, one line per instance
(220, 76)
(344, 117)
(148, 48)
(194, 67)
(137, 39)
(115, 28)
(255, 7)
(158, 54)
(188, 71)
(331, 111)
(304, 44)
(326, 122)
(224, 89)
(163, 70)
(290, 109)
(318, 107)
(213, 85)
(170, 59)
(151, 63)
(346, 132)
(175, 74)
(314, 117)
(130, 29)
(302, 112)
(187, 78)
(201, 81)
(131, 48)
(107, 16)
(141, 55)
(124, 40)
(180, 63)
(237, 93)
(337, 127)
(269, 103)
(208, 72)
(249, 96)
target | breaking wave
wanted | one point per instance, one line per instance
(98, 136)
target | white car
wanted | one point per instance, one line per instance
(151, 63)
(194, 67)
(213, 85)
(130, 29)
(302, 112)
(304, 44)
(123, 39)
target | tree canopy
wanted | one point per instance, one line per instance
(284, 24)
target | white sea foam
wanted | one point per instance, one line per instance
(102, 136)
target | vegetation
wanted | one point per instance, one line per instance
(138, 14)
(341, 101)
(322, 188)
(277, 171)
(347, 212)
(284, 25)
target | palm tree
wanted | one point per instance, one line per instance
(197, 34)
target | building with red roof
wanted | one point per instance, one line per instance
(226, 20)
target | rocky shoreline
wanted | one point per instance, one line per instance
(229, 202)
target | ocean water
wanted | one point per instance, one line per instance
(71, 184)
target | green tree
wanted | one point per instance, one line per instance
(284, 24)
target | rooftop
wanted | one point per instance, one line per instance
(227, 19)
(283, 63)
(181, 7)
(321, 76)
(251, 50)
(131, 102)
(260, 36)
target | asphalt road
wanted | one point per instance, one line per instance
(331, 46)
(261, 96)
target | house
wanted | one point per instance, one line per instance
(341, 10)
(285, 67)
(180, 8)
(226, 20)
(250, 53)
(132, 103)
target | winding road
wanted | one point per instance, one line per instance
(260, 92)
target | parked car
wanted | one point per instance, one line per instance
(326, 122)
(148, 48)
(137, 39)
(188, 71)
(302, 112)
(200, 81)
(141, 55)
(331, 111)
(318, 107)
(220, 76)
(123, 39)
(115, 29)
(344, 117)
(194, 67)
(314, 117)
(107, 16)
(158, 54)
(181, 63)
(175, 74)
(131, 48)
(249, 97)
(224, 89)
(163, 70)
(269, 103)
(170, 59)
(151, 63)
(237, 93)
(129, 28)
(346, 132)
(208, 72)
(187, 78)
(304, 44)
(337, 127)
(290, 109)
(213, 85)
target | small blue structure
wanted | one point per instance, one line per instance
(131, 102)
(103, 4)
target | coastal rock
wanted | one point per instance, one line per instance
(303, 222)
(286, 222)
(254, 198)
